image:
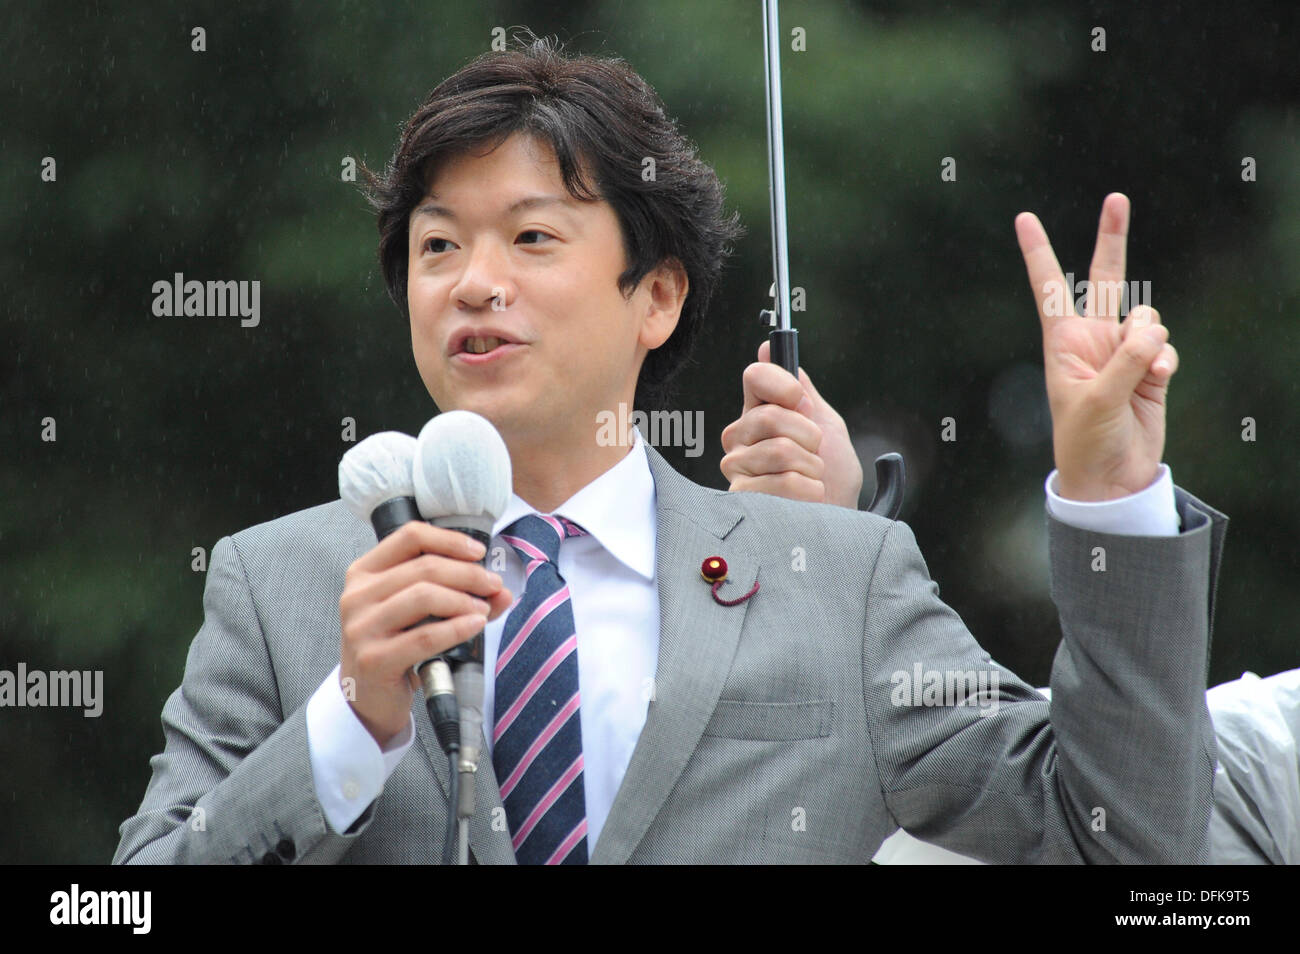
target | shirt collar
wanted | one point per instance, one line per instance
(617, 508)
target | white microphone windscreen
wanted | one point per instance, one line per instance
(377, 470)
(462, 467)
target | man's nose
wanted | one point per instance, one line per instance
(485, 282)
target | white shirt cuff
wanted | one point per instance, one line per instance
(1147, 513)
(347, 765)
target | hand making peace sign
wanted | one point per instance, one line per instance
(1106, 381)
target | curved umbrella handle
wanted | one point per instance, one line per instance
(891, 477)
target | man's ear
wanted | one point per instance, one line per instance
(667, 285)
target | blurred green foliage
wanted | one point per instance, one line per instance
(226, 164)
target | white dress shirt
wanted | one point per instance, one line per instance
(611, 577)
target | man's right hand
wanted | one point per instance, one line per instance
(417, 571)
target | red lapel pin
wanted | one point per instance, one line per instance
(714, 570)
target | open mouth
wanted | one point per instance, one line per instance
(482, 345)
(470, 348)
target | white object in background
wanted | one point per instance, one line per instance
(1257, 784)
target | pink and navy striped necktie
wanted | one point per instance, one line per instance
(537, 733)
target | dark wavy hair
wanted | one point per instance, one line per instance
(594, 112)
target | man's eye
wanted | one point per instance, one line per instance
(429, 242)
(535, 232)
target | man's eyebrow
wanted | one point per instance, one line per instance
(432, 209)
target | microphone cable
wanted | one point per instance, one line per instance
(444, 715)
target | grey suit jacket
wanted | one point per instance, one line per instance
(779, 730)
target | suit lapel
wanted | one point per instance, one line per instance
(697, 642)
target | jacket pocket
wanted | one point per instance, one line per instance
(770, 721)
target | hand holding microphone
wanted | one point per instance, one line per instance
(416, 571)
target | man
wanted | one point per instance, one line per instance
(636, 711)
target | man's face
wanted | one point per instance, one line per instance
(514, 300)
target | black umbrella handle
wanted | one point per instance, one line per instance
(785, 349)
(891, 477)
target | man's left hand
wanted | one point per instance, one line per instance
(1106, 381)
